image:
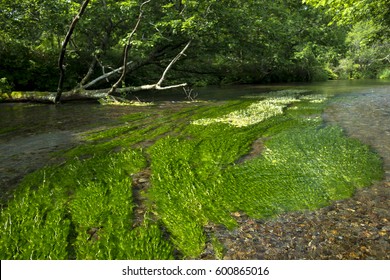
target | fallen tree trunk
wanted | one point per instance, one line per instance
(50, 97)
(82, 93)
(77, 94)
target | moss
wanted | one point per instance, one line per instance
(41, 93)
(3, 96)
(16, 95)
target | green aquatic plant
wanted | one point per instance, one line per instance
(82, 210)
(200, 174)
(196, 182)
(255, 113)
(303, 169)
(34, 225)
(264, 109)
(305, 165)
(132, 130)
(111, 101)
(219, 249)
(315, 98)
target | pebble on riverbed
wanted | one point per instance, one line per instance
(356, 228)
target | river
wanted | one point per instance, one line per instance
(30, 133)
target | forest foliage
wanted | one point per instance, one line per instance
(232, 41)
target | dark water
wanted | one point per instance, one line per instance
(30, 133)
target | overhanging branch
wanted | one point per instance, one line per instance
(177, 57)
(105, 76)
(157, 86)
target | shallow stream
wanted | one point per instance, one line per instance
(30, 133)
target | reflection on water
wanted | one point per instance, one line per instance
(29, 133)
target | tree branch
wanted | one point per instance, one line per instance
(149, 87)
(158, 85)
(105, 76)
(103, 46)
(134, 65)
(126, 49)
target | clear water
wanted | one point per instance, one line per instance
(365, 116)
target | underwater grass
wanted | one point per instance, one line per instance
(55, 210)
(84, 209)
(8, 129)
(34, 225)
(196, 179)
(302, 169)
(134, 129)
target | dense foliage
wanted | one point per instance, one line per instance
(232, 41)
(367, 40)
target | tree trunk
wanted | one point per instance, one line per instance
(63, 51)
(50, 97)
(103, 48)
(77, 94)
(82, 93)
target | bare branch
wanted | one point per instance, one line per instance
(126, 49)
(149, 87)
(171, 64)
(171, 87)
(189, 93)
(105, 76)
(158, 86)
(386, 58)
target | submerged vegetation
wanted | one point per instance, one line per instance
(200, 173)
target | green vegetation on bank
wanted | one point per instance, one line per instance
(200, 174)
